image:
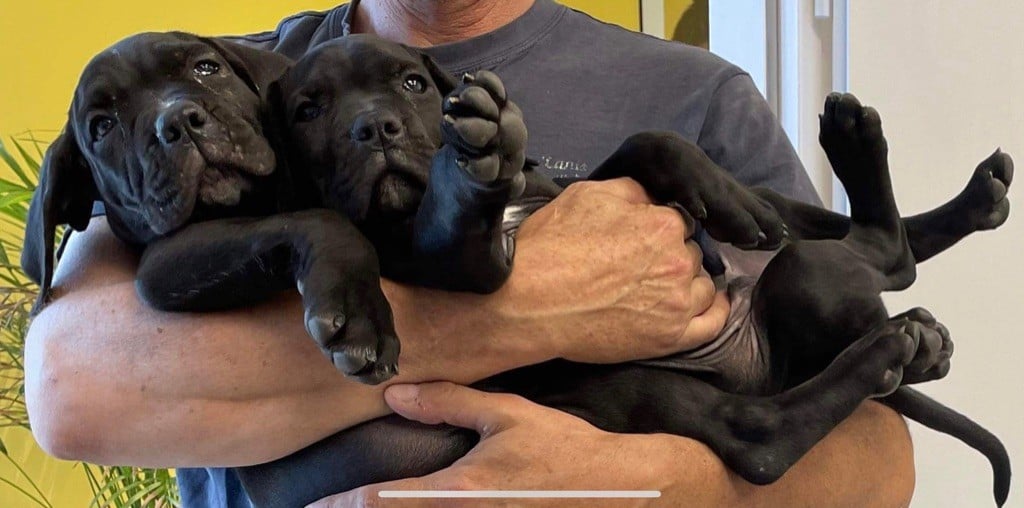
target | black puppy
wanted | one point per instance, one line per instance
(168, 131)
(805, 343)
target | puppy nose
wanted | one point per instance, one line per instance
(377, 128)
(180, 116)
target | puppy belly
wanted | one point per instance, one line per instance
(737, 360)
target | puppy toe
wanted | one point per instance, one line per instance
(928, 349)
(349, 360)
(473, 100)
(773, 230)
(323, 326)
(492, 83)
(483, 169)
(1000, 166)
(473, 131)
(354, 351)
(386, 365)
(909, 342)
(513, 132)
(919, 314)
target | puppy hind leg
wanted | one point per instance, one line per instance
(851, 135)
(760, 438)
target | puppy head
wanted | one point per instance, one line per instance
(366, 113)
(164, 128)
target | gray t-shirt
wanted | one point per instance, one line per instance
(584, 86)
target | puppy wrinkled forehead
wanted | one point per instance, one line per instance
(374, 57)
(120, 69)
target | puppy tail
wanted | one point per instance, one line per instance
(932, 414)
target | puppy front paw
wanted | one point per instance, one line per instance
(487, 131)
(357, 334)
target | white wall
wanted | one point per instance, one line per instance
(737, 34)
(948, 80)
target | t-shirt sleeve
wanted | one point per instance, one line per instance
(742, 135)
(293, 37)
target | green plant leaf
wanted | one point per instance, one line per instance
(111, 486)
(15, 197)
(13, 164)
(30, 161)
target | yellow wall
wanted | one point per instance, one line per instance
(47, 43)
(621, 12)
(693, 30)
(44, 44)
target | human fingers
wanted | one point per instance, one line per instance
(444, 402)
(706, 325)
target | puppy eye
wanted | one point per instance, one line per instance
(308, 111)
(100, 126)
(415, 83)
(206, 67)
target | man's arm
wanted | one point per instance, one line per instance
(525, 446)
(207, 389)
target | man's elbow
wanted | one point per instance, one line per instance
(60, 402)
(59, 438)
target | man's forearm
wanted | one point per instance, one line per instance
(183, 390)
(207, 389)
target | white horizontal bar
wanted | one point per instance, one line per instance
(496, 494)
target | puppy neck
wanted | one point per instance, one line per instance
(424, 23)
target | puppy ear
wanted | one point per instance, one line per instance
(257, 67)
(444, 81)
(65, 195)
(288, 190)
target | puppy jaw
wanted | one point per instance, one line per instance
(170, 187)
(389, 182)
(212, 167)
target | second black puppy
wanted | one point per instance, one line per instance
(804, 345)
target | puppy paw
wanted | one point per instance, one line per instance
(880, 356)
(743, 219)
(851, 135)
(358, 336)
(487, 130)
(934, 347)
(984, 201)
(678, 173)
(909, 348)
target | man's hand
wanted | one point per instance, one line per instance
(525, 446)
(609, 277)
